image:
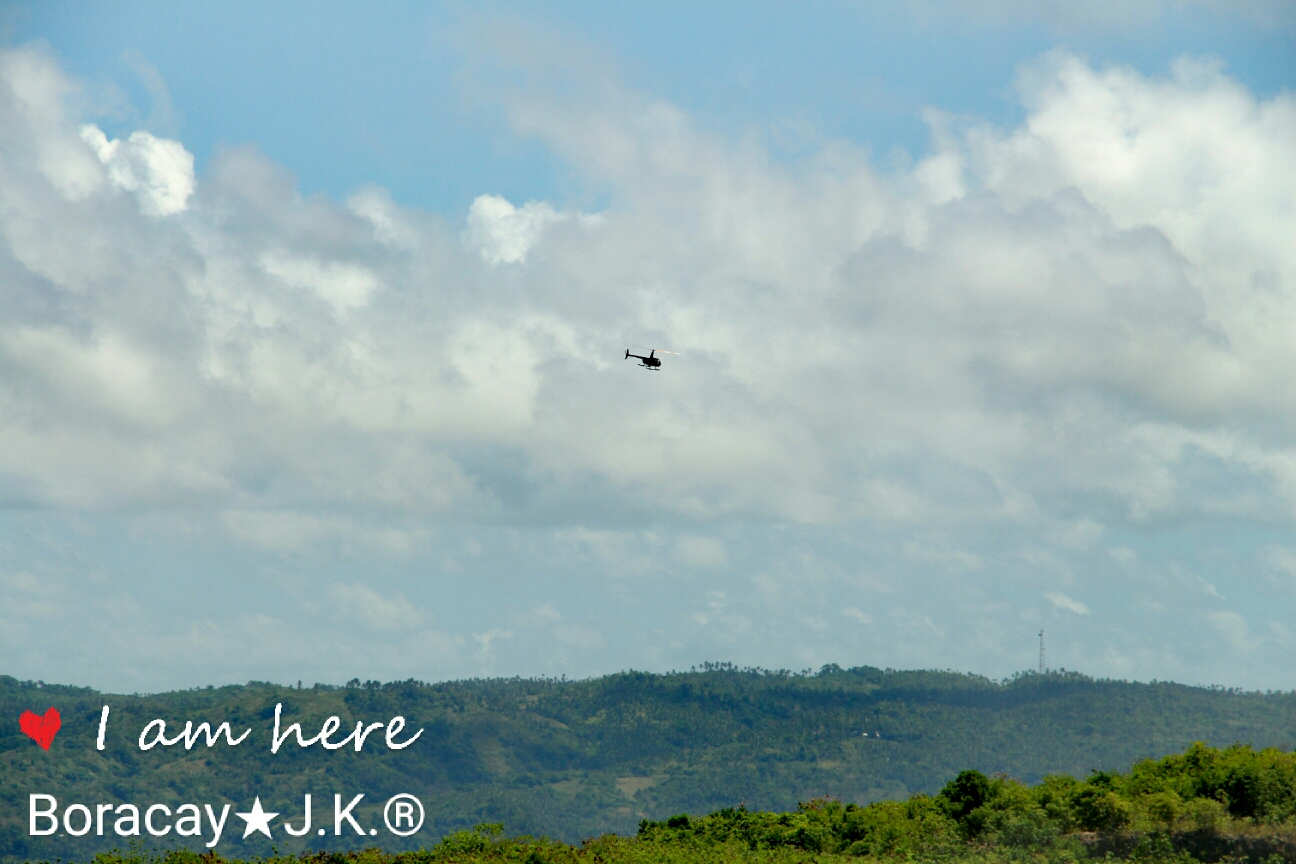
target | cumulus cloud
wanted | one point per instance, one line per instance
(160, 171)
(963, 373)
(342, 286)
(503, 234)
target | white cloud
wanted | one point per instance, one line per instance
(546, 613)
(502, 233)
(1062, 601)
(700, 552)
(36, 127)
(160, 171)
(162, 114)
(342, 286)
(1033, 342)
(490, 637)
(1233, 628)
(549, 622)
(375, 611)
(283, 532)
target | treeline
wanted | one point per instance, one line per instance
(1201, 793)
(1235, 805)
(574, 759)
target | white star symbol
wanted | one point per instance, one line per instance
(257, 820)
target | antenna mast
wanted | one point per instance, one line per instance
(1041, 669)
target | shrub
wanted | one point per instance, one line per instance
(965, 793)
(1097, 809)
(1203, 814)
(1031, 829)
(1162, 808)
(898, 828)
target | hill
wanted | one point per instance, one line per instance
(571, 759)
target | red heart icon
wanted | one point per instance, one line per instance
(41, 729)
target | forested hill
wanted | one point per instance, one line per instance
(577, 758)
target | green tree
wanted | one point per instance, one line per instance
(1098, 809)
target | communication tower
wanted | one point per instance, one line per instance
(1041, 669)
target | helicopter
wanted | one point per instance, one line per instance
(651, 362)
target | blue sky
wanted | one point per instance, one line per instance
(312, 321)
(352, 94)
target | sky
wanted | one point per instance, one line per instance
(313, 321)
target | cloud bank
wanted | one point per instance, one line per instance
(1040, 377)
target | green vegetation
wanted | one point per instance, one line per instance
(1236, 805)
(587, 758)
(1203, 804)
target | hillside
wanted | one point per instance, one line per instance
(577, 758)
